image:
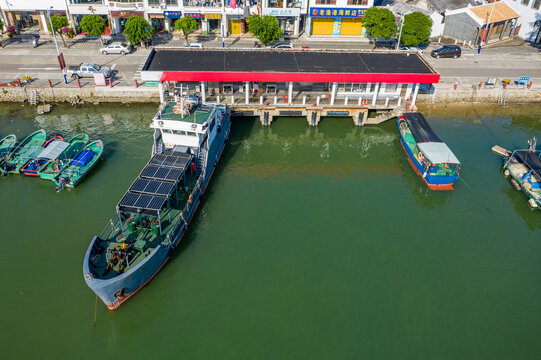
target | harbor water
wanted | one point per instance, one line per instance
(310, 243)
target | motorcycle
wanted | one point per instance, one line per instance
(35, 41)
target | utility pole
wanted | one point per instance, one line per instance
(400, 34)
(483, 38)
(60, 57)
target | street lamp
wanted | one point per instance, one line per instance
(401, 26)
(56, 44)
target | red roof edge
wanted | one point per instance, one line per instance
(300, 77)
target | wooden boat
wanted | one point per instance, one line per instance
(27, 149)
(51, 149)
(6, 144)
(77, 169)
(524, 167)
(55, 166)
(430, 157)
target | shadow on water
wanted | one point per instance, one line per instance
(532, 217)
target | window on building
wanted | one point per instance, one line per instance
(326, 2)
(128, 1)
(357, 2)
(525, 2)
(536, 4)
(276, 3)
(271, 89)
(227, 89)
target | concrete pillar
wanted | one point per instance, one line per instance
(43, 19)
(360, 100)
(247, 95)
(116, 25)
(408, 92)
(346, 101)
(160, 89)
(203, 92)
(205, 26)
(232, 100)
(488, 33)
(504, 25)
(375, 97)
(275, 100)
(386, 101)
(167, 24)
(304, 99)
(290, 92)
(399, 101)
(333, 92)
(218, 99)
(415, 95)
(260, 100)
(296, 26)
(317, 100)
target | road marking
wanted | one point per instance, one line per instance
(113, 67)
(46, 68)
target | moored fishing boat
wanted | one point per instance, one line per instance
(524, 167)
(6, 144)
(12, 163)
(55, 166)
(50, 150)
(430, 157)
(153, 215)
(79, 167)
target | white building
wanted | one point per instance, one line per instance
(213, 16)
(400, 8)
(336, 18)
(530, 18)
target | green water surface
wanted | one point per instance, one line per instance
(311, 243)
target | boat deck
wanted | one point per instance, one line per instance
(198, 116)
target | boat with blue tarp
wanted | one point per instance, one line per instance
(27, 149)
(524, 168)
(50, 150)
(430, 157)
(153, 215)
(79, 167)
(56, 165)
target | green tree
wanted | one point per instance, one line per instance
(1, 32)
(137, 30)
(417, 28)
(59, 23)
(93, 25)
(379, 23)
(265, 28)
(186, 25)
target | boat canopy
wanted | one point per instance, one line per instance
(53, 150)
(438, 153)
(421, 131)
(531, 159)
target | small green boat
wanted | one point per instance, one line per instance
(77, 169)
(29, 147)
(54, 167)
(6, 144)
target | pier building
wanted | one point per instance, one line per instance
(311, 83)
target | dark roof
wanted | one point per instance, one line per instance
(152, 187)
(421, 131)
(196, 60)
(531, 159)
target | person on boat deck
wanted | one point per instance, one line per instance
(123, 246)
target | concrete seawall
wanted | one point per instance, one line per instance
(144, 94)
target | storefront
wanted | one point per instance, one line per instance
(157, 21)
(288, 18)
(213, 23)
(30, 20)
(197, 16)
(235, 25)
(120, 17)
(336, 21)
(170, 17)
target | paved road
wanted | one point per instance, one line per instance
(18, 59)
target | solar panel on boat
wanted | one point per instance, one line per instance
(161, 173)
(170, 159)
(152, 187)
(141, 203)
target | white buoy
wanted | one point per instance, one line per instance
(506, 172)
(532, 203)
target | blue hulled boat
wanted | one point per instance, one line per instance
(154, 213)
(430, 157)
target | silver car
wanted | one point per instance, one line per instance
(116, 48)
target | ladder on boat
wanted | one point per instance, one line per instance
(33, 100)
(201, 160)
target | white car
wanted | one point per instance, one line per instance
(192, 45)
(283, 46)
(116, 48)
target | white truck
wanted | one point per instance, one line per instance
(87, 70)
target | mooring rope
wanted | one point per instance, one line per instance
(474, 195)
